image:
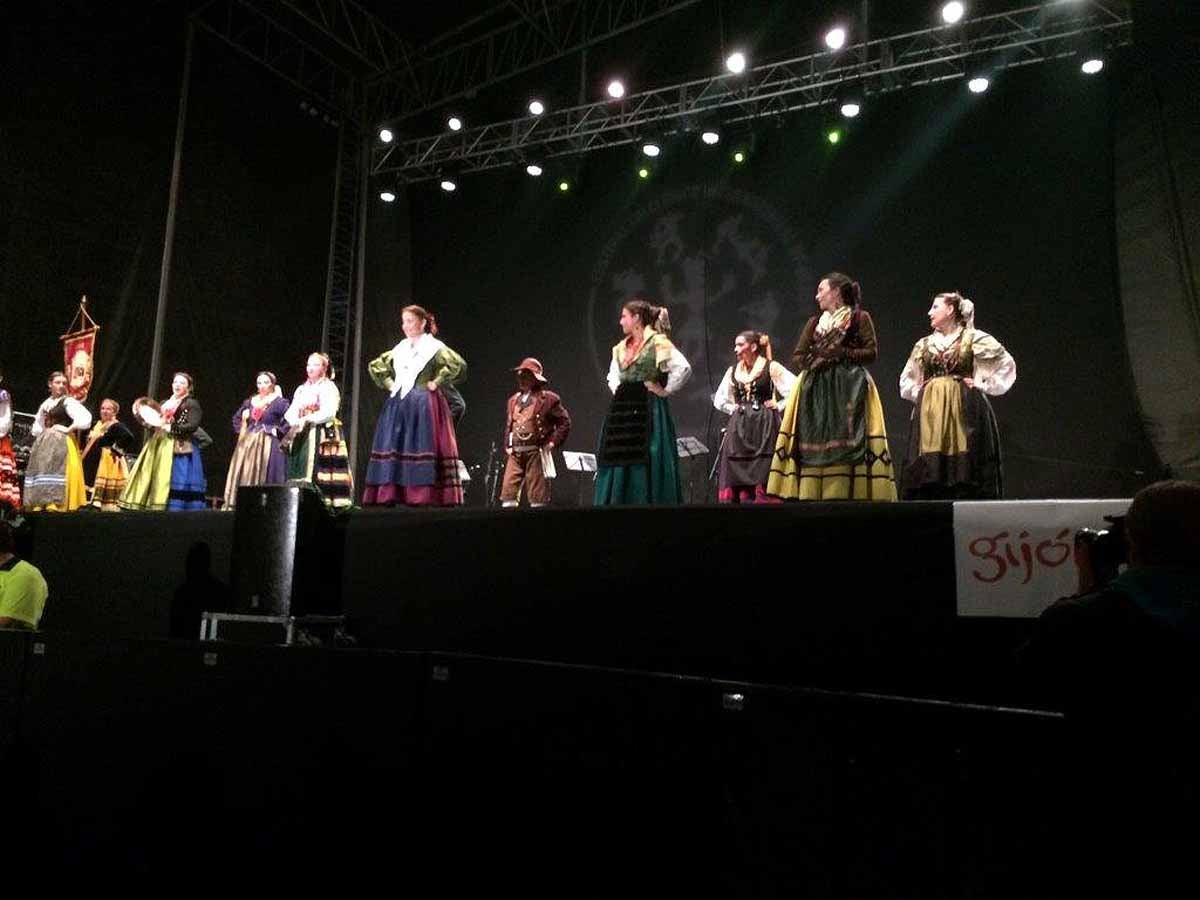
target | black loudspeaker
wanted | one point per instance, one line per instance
(283, 545)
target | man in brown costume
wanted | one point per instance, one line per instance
(537, 423)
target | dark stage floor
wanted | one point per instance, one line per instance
(847, 595)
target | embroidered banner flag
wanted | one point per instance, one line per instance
(79, 352)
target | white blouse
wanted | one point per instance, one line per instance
(409, 358)
(678, 370)
(5, 414)
(81, 419)
(324, 395)
(995, 371)
(783, 380)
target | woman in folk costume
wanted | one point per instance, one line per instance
(104, 466)
(833, 442)
(316, 452)
(54, 474)
(751, 394)
(638, 462)
(954, 444)
(10, 487)
(414, 456)
(259, 424)
(169, 472)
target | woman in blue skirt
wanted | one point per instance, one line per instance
(414, 456)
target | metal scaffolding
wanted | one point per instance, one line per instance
(259, 36)
(343, 236)
(1019, 37)
(541, 32)
(372, 42)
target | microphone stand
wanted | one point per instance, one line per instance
(720, 447)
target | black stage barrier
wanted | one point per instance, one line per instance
(13, 647)
(172, 756)
(861, 594)
(127, 574)
(208, 761)
(844, 595)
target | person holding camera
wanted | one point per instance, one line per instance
(1121, 660)
(1128, 645)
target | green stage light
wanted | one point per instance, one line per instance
(833, 135)
(643, 172)
(739, 156)
(564, 185)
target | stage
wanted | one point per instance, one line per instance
(857, 596)
(784, 697)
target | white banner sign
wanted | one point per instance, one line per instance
(1014, 557)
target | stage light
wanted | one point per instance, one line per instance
(739, 156)
(978, 84)
(536, 107)
(385, 135)
(1092, 65)
(454, 123)
(651, 149)
(710, 136)
(643, 172)
(563, 186)
(534, 169)
(835, 38)
(616, 89)
(833, 135)
(953, 12)
(736, 63)
(387, 196)
(448, 185)
(850, 101)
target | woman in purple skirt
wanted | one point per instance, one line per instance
(259, 425)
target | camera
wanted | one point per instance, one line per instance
(1100, 554)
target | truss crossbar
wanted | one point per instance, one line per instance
(542, 32)
(256, 35)
(356, 30)
(1019, 37)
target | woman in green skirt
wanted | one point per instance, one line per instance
(638, 462)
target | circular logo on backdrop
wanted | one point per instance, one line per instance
(721, 261)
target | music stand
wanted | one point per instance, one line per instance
(581, 463)
(689, 447)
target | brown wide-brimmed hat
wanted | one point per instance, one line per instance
(533, 367)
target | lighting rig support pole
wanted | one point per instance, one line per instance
(359, 287)
(164, 278)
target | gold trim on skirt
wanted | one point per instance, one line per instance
(870, 479)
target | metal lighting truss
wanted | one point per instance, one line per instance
(374, 44)
(541, 32)
(246, 28)
(1022, 36)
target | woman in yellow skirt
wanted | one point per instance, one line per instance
(104, 466)
(832, 442)
(954, 442)
(54, 475)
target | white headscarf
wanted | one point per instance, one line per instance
(967, 310)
